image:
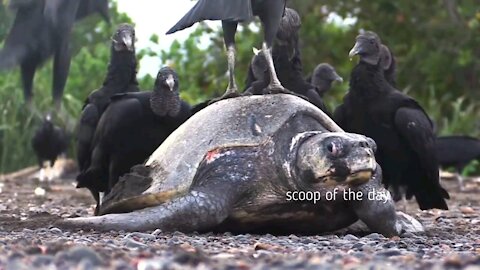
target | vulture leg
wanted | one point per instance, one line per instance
(459, 177)
(229, 29)
(274, 81)
(460, 180)
(61, 66)
(270, 18)
(28, 73)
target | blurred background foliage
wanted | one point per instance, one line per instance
(436, 44)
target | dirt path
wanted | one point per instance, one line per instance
(28, 241)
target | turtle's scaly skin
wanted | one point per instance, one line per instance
(230, 166)
(242, 121)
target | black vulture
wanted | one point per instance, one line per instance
(287, 35)
(287, 39)
(48, 142)
(120, 78)
(231, 12)
(41, 29)
(457, 152)
(289, 74)
(398, 124)
(322, 78)
(132, 127)
(287, 60)
(389, 65)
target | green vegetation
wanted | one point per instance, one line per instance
(436, 44)
(91, 50)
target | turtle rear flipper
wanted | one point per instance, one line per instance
(206, 204)
(196, 211)
(126, 194)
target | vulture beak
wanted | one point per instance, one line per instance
(337, 78)
(127, 40)
(357, 49)
(170, 82)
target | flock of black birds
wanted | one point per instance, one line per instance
(120, 126)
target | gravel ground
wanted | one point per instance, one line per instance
(28, 240)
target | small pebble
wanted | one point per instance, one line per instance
(79, 254)
(389, 253)
(42, 260)
(358, 245)
(350, 237)
(375, 236)
(157, 232)
(139, 235)
(56, 231)
(133, 244)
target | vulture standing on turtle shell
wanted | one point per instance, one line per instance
(120, 78)
(231, 12)
(258, 74)
(132, 127)
(48, 142)
(41, 29)
(288, 64)
(398, 124)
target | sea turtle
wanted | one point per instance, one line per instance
(232, 166)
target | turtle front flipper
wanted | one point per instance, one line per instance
(195, 211)
(377, 210)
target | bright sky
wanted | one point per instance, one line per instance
(154, 17)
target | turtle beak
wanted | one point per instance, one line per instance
(170, 82)
(128, 41)
(357, 49)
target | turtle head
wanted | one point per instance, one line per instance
(335, 159)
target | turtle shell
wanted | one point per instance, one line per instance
(241, 121)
